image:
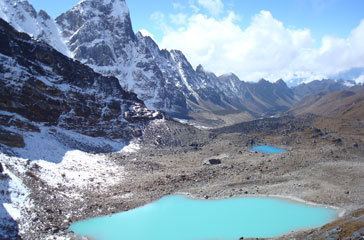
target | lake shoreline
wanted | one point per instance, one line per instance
(341, 212)
(234, 211)
(315, 171)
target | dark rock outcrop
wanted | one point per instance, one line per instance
(283, 124)
(214, 161)
(41, 85)
(11, 139)
(100, 34)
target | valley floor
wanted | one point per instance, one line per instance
(322, 166)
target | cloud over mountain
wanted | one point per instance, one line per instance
(265, 48)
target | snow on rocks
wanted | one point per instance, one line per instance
(14, 199)
(52, 144)
(18, 196)
(131, 148)
(55, 158)
(79, 169)
(63, 158)
(23, 17)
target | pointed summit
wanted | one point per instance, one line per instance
(200, 68)
(113, 13)
(230, 76)
(115, 8)
(93, 28)
(44, 15)
(281, 83)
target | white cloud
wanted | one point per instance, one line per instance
(215, 7)
(342, 53)
(177, 6)
(158, 17)
(360, 80)
(179, 18)
(266, 48)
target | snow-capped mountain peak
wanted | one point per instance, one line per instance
(24, 18)
(114, 12)
(114, 8)
(92, 29)
(99, 33)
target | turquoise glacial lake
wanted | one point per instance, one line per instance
(267, 149)
(181, 218)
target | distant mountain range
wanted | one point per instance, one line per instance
(320, 87)
(349, 77)
(99, 34)
(351, 74)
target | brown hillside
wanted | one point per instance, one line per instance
(347, 104)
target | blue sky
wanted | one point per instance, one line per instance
(323, 17)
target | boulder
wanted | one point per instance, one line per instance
(251, 142)
(337, 141)
(213, 161)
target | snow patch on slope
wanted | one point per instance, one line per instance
(63, 158)
(79, 170)
(182, 74)
(18, 196)
(131, 148)
(52, 144)
(119, 8)
(14, 199)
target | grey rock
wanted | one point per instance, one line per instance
(213, 162)
(50, 88)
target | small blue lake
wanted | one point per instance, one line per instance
(267, 149)
(182, 218)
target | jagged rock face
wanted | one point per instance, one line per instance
(11, 139)
(258, 98)
(100, 34)
(228, 94)
(44, 86)
(23, 17)
(94, 29)
(223, 91)
(237, 93)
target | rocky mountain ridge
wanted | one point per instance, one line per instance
(40, 85)
(321, 87)
(100, 35)
(164, 79)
